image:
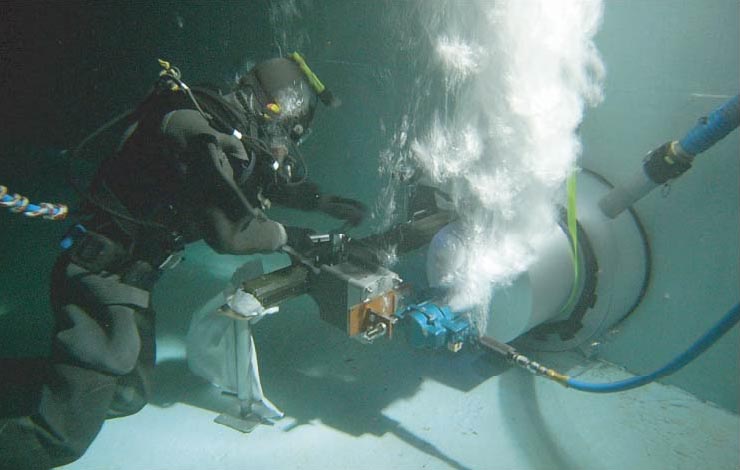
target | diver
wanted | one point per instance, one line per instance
(193, 164)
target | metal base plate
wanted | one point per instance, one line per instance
(245, 424)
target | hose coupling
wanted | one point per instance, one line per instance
(538, 369)
(667, 162)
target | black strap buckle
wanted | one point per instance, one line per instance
(96, 253)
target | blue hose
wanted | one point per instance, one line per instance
(708, 131)
(702, 344)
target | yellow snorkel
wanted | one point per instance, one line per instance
(324, 94)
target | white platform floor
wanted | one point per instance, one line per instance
(385, 406)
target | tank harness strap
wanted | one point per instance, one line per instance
(227, 118)
(114, 243)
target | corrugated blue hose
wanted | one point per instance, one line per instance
(713, 128)
(702, 344)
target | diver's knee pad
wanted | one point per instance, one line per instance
(131, 395)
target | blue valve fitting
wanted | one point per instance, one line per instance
(429, 326)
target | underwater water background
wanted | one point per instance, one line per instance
(68, 67)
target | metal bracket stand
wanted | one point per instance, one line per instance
(252, 407)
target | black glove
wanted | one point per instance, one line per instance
(342, 208)
(299, 238)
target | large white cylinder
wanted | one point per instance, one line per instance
(613, 266)
(537, 295)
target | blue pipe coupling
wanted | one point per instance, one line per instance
(430, 326)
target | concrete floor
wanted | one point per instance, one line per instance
(350, 405)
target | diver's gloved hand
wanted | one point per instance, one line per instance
(299, 238)
(342, 208)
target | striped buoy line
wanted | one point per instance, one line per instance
(21, 205)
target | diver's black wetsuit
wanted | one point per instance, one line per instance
(173, 170)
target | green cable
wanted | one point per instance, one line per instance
(572, 219)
